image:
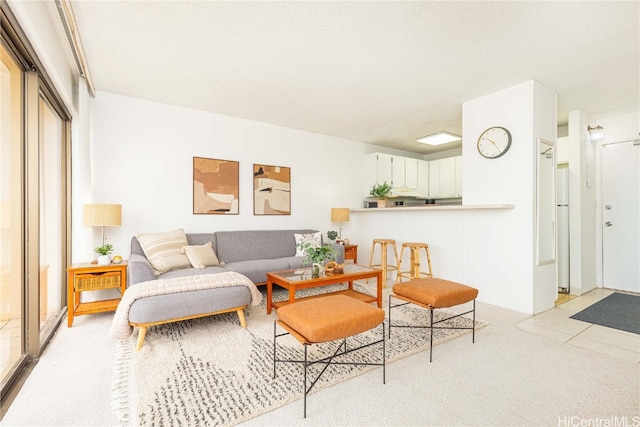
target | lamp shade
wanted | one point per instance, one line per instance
(94, 215)
(339, 214)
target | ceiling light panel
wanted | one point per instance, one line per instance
(439, 138)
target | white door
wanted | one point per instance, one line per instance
(621, 216)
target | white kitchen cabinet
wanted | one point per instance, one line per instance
(397, 166)
(434, 179)
(384, 168)
(445, 178)
(411, 173)
(405, 176)
(377, 169)
(370, 171)
(400, 172)
(405, 172)
(423, 179)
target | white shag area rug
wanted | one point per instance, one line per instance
(210, 371)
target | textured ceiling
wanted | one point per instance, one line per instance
(378, 72)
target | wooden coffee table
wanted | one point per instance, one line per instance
(300, 278)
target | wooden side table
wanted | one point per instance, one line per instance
(351, 252)
(92, 277)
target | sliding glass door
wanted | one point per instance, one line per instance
(34, 217)
(12, 348)
(51, 295)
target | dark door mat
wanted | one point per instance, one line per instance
(618, 311)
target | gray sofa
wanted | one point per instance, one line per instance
(249, 252)
(252, 253)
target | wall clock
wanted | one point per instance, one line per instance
(494, 142)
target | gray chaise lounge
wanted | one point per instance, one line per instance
(251, 253)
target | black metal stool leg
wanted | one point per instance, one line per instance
(431, 338)
(384, 353)
(473, 332)
(305, 380)
(389, 316)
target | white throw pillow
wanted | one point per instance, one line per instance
(201, 256)
(315, 239)
(164, 250)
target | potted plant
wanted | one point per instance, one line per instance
(381, 192)
(316, 256)
(332, 235)
(103, 253)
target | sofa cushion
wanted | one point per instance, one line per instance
(163, 250)
(314, 239)
(201, 239)
(294, 261)
(256, 270)
(232, 246)
(329, 318)
(179, 305)
(201, 256)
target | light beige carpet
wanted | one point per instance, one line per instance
(210, 371)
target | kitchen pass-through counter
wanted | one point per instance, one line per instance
(479, 245)
(436, 207)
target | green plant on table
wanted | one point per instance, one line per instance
(332, 234)
(105, 249)
(317, 254)
(381, 191)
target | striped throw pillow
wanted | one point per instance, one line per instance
(164, 250)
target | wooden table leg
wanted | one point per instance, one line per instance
(269, 295)
(70, 303)
(292, 294)
(379, 280)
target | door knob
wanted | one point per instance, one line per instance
(608, 224)
(608, 207)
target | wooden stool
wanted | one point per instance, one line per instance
(414, 262)
(384, 266)
(324, 319)
(433, 293)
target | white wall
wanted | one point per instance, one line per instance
(582, 205)
(545, 117)
(142, 154)
(499, 250)
(82, 241)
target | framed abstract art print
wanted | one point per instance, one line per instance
(215, 186)
(271, 190)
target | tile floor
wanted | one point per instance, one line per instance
(556, 324)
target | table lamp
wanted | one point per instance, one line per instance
(340, 215)
(96, 215)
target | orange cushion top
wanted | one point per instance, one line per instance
(437, 293)
(330, 318)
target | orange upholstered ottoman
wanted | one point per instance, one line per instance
(433, 293)
(324, 319)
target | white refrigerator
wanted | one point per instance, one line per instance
(562, 218)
